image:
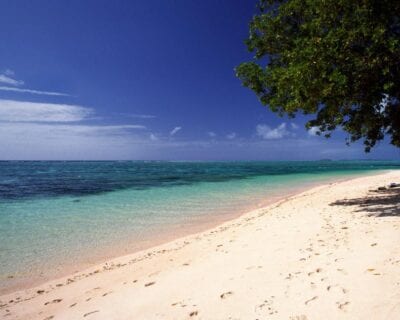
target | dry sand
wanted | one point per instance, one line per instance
(332, 252)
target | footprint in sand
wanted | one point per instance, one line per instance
(89, 291)
(318, 270)
(289, 276)
(342, 271)
(269, 305)
(149, 284)
(193, 313)
(89, 313)
(330, 287)
(226, 294)
(180, 303)
(54, 301)
(343, 305)
(309, 300)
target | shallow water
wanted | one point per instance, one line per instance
(64, 215)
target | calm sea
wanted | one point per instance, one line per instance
(58, 216)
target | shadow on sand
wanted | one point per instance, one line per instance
(378, 203)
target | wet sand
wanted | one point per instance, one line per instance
(332, 252)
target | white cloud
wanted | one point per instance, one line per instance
(47, 93)
(294, 126)
(143, 116)
(268, 133)
(6, 77)
(231, 136)
(25, 140)
(153, 137)
(51, 131)
(138, 115)
(313, 131)
(98, 130)
(24, 111)
(30, 130)
(211, 134)
(9, 72)
(175, 130)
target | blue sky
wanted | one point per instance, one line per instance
(141, 80)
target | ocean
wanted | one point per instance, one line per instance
(57, 217)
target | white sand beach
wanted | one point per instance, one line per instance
(332, 252)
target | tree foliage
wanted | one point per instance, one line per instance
(336, 59)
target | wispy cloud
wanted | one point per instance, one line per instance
(175, 130)
(9, 72)
(24, 111)
(211, 134)
(294, 126)
(268, 133)
(20, 90)
(7, 78)
(25, 140)
(139, 116)
(231, 136)
(55, 119)
(46, 131)
(153, 137)
(98, 130)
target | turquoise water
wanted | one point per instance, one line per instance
(62, 216)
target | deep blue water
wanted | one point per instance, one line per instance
(22, 180)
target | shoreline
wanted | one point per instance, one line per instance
(200, 226)
(147, 264)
